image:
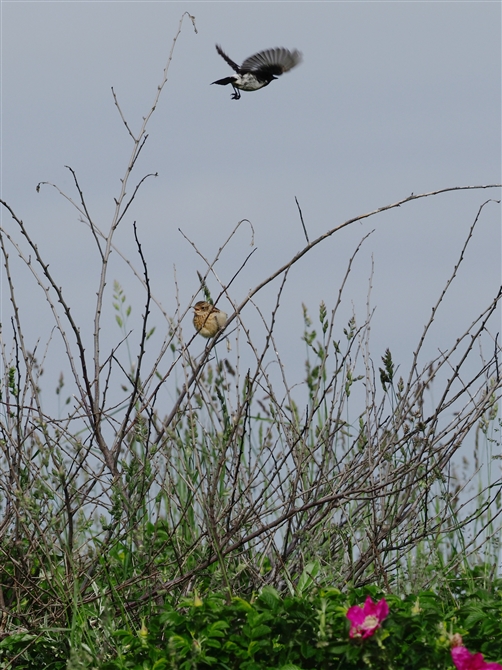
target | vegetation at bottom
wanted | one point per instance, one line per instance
(305, 629)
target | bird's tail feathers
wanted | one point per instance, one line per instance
(224, 82)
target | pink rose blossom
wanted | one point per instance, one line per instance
(464, 660)
(365, 620)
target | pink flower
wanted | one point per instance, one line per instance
(365, 620)
(464, 660)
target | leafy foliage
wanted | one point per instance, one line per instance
(268, 631)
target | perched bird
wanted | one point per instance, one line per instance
(258, 71)
(208, 319)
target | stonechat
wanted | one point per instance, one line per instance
(208, 319)
(259, 70)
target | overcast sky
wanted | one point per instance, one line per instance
(391, 98)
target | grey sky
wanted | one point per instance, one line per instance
(392, 98)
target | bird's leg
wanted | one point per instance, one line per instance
(237, 93)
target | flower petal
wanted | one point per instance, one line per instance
(464, 660)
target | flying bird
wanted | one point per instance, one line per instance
(259, 70)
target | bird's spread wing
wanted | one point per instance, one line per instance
(233, 65)
(271, 61)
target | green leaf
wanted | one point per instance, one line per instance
(307, 577)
